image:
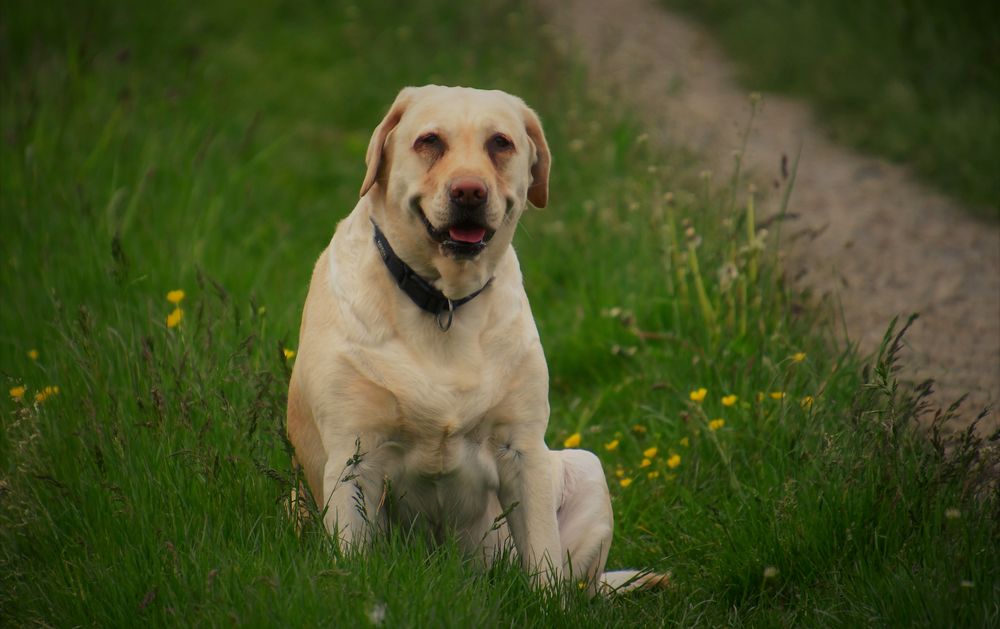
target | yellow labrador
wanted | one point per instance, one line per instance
(420, 392)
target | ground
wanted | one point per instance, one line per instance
(861, 233)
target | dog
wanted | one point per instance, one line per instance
(419, 395)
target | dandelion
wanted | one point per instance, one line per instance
(46, 393)
(674, 461)
(728, 274)
(619, 471)
(289, 353)
(716, 424)
(377, 613)
(174, 318)
(33, 354)
(175, 296)
(649, 452)
(611, 446)
(760, 396)
(581, 585)
(645, 463)
(698, 394)
(798, 357)
(625, 482)
(639, 429)
(653, 474)
(729, 400)
(770, 572)
(685, 442)
(572, 441)
(777, 395)
(807, 402)
(17, 393)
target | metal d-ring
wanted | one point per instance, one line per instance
(446, 325)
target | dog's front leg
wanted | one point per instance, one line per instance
(349, 496)
(527, 496)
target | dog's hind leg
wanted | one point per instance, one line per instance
(586, 524)
(584, 513)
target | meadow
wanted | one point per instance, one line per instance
(916, 81)
(779, 476)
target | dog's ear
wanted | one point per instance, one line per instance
(376, 146)
(538, 191)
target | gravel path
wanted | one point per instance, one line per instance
(864, 232)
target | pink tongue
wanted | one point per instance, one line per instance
(466, 234)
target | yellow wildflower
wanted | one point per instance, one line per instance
(952, 513)
(17, 393)
(645, 463)
(619, 472)
(625, 482)
(698, 394)
(33, 354)
(653, 474)
(174, 318)
(639, 428)
(674, 461)
(716, 424)
(289, 353)
(175, 296)
(649, 452)
(572, 441)
(770, 572)
(729, 400)
(685, 442)
(760, 396)
(581, 585)
(46, 393)
(798, 357)
(807, 402)
(611, 446)
(777, 395)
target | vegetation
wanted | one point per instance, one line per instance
(211, 150)
(917, 81)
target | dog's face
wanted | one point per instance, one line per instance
(456, 167)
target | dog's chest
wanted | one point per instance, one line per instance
(444, 423)
(441, 429)
(442, 454)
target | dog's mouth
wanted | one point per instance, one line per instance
(461, 239)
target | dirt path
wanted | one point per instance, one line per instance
(865, 233)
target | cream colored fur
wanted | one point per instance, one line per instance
(450, 423)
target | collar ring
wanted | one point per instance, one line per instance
(445, 324)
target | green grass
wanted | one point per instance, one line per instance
(214, 149)
(917, 81)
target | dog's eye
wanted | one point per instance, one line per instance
(500, 142)
(428, 140)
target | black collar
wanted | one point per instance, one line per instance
(419, 290)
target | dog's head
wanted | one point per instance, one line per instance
(451, 170)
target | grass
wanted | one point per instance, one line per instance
(214, 149)
(915, 81)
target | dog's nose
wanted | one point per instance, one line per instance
(467, 192)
